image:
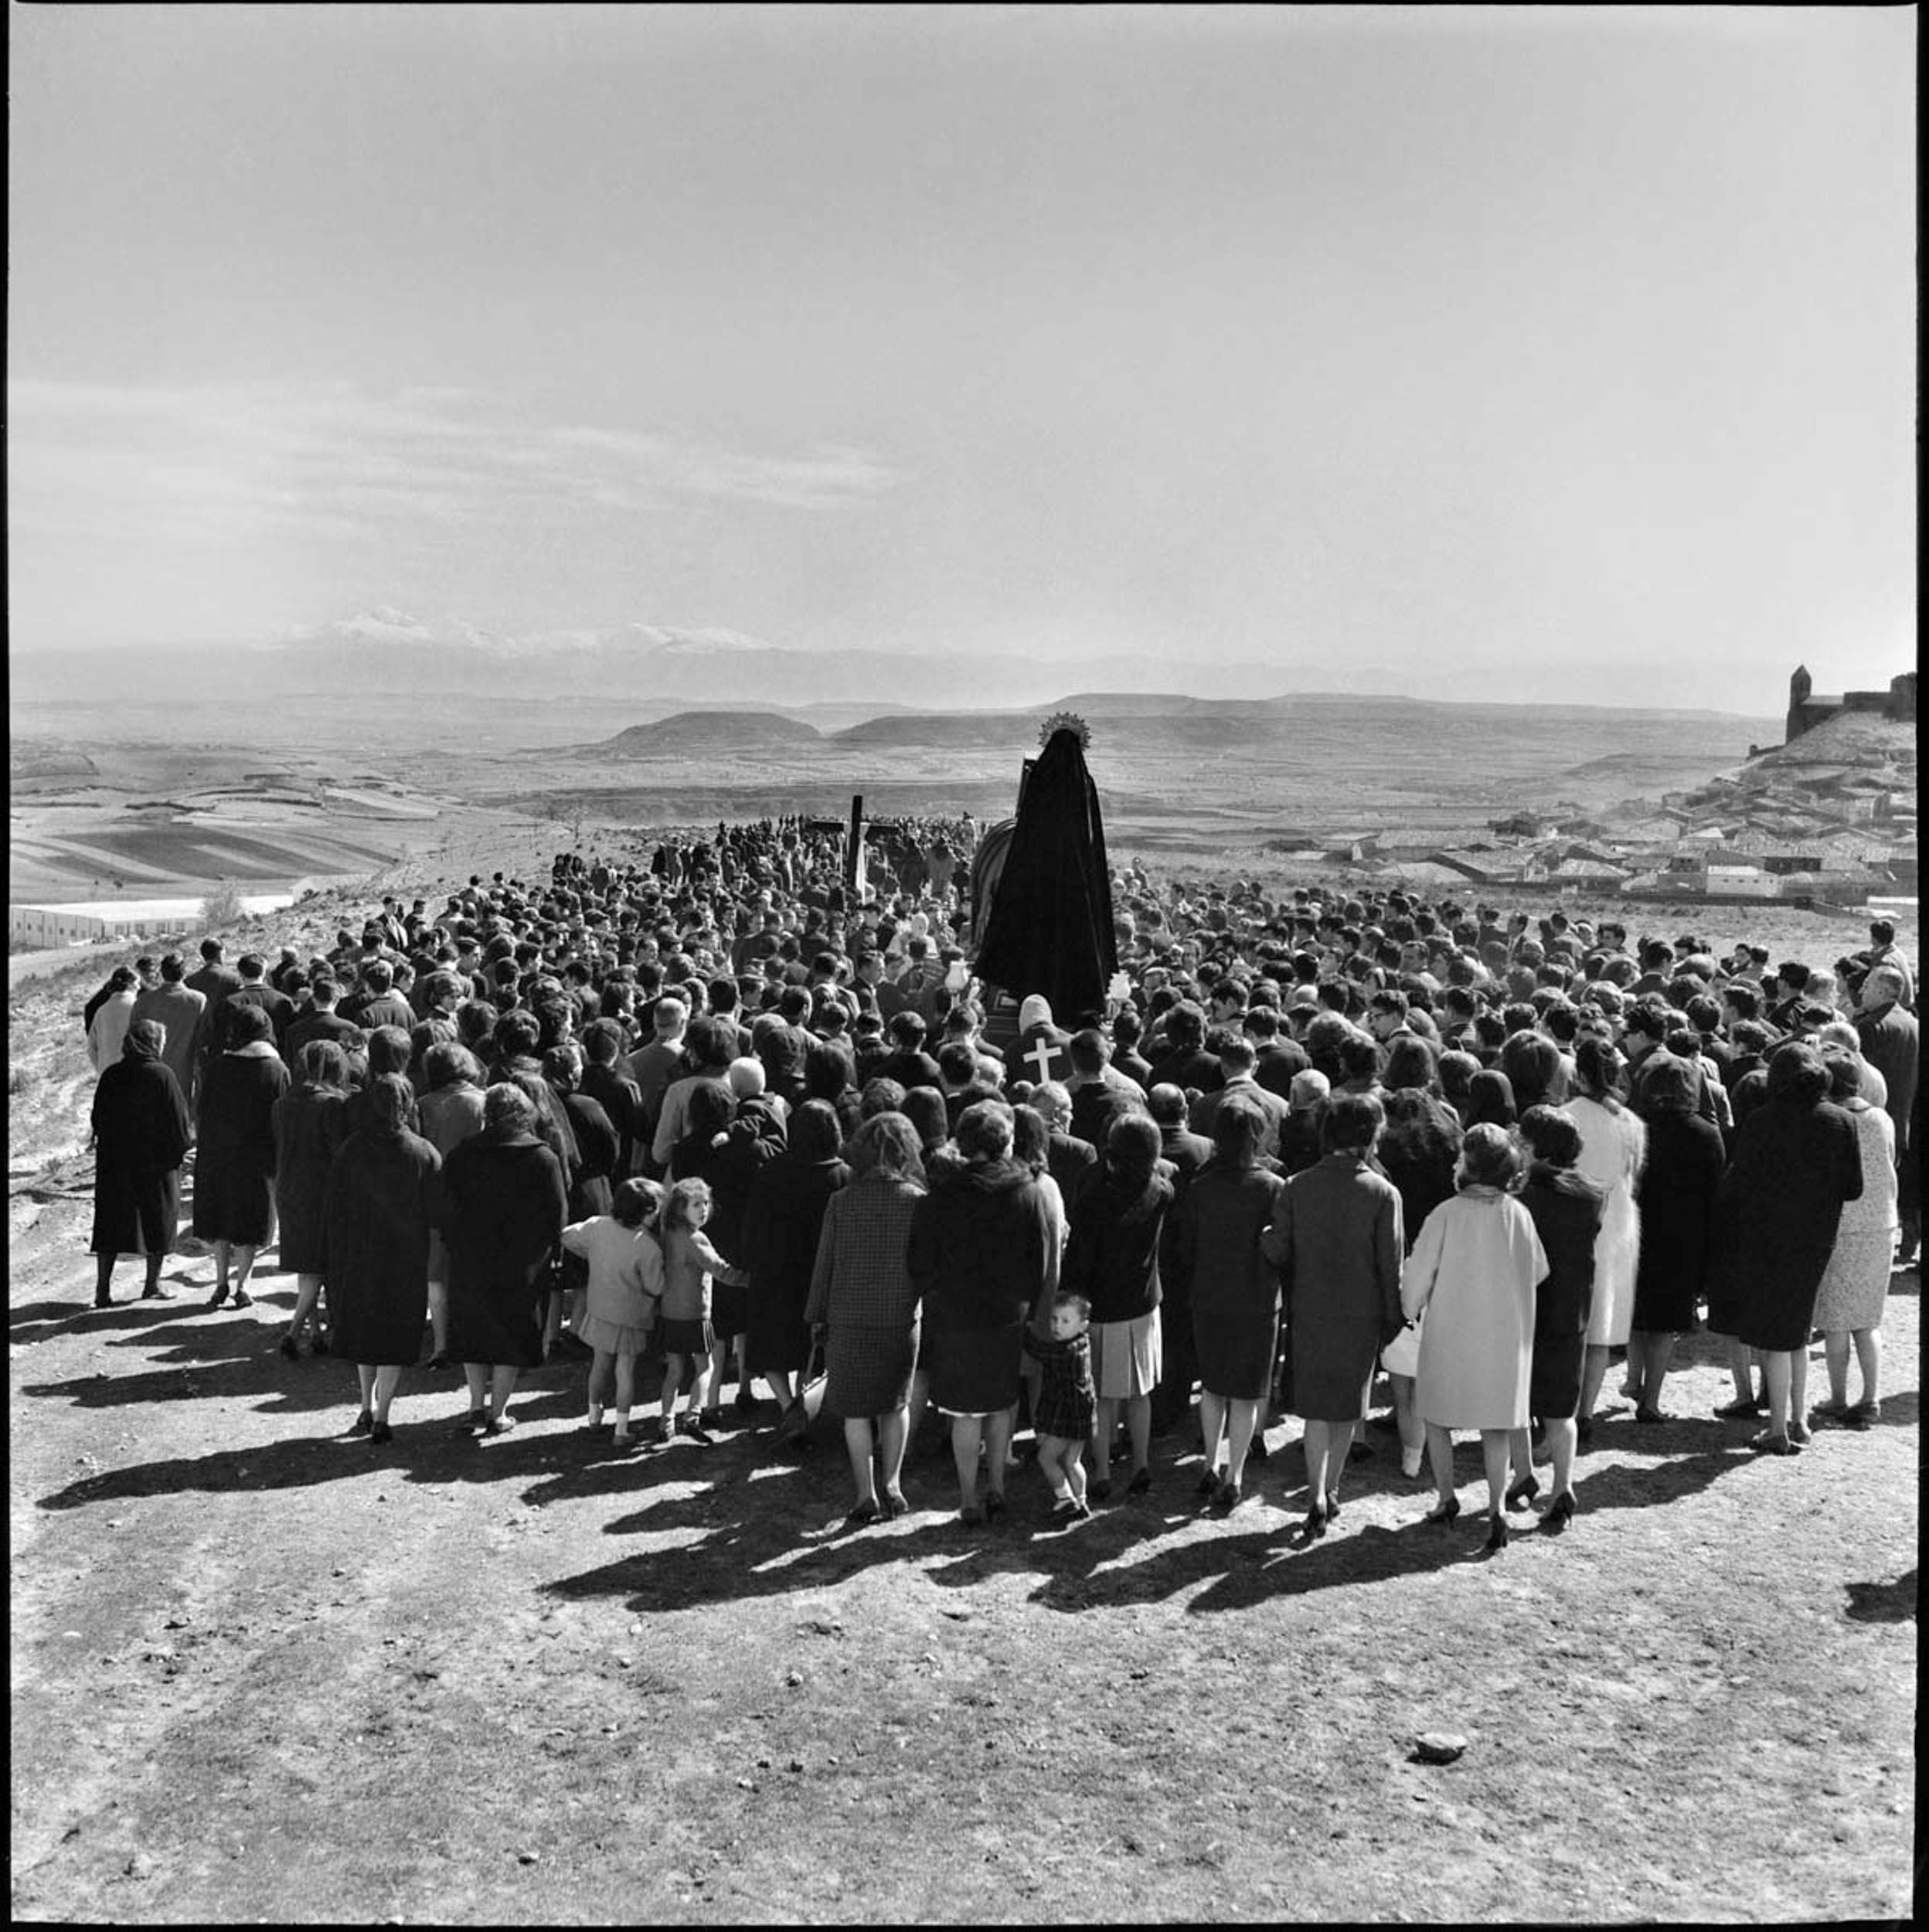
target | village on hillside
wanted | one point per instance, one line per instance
(1829, 817)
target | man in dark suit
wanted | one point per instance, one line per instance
(1071, 1161)
(255, 991)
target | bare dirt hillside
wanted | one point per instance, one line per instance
(263, 1670)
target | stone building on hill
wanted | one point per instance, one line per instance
(1806, 710)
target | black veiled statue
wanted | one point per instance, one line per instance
(1050, 929)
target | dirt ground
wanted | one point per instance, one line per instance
(263, 1671)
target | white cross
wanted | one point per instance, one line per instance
(1041, 1057)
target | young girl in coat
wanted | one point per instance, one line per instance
(625, 1286)
(1066, 1404)
(690, 1265)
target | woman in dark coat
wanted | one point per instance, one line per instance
(864, 1304)
(1566, 1208)
(977, 1256)
(782, 1223)
(234, 1158)
(141, 1138)
(1796, 1162)
(1115, 1222)
(1336, 1238)
(1677, 1196)
(376, 1220)
(311, 1122)
(1219, 1251)
(503, 1199)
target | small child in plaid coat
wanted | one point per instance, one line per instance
(1066, 1404)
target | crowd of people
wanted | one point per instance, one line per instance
(720, 1122)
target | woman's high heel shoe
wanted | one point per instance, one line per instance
(1560, 1512)
(1524, 1491)
(1316, 1522)
(1497, 1533)
(1443, 1511)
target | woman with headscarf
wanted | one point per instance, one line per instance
(1111, 1258)
(781, 1223)
(1565, 1209)
(503, 1202)
(978, 1255)
(1336, 1238)
(1678, 1186)
(864, 1303)
(311, 1122)
(377, 1216)
(1797, 1162)
(1473, 1273)
(1614, 1148)
(140, 1121)
(235, 1158)
(1855, 1285)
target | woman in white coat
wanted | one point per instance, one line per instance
(1613, 1150)
(1474, 1271)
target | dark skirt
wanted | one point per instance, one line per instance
(1237, 1350)
(868, 1369)
(975, 1372)
(1553, 1379)
(503, 1329)
(135, 1214)
(233, 1207)
(1779, 1314)
(1331, 1366)
(377, 1325)
(1665, 1303)
(777, 1339)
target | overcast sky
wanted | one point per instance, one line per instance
(1363, 335)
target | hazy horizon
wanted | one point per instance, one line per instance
(1548, 348)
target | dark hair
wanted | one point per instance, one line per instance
(710, 1108)
(1552, 1136)
(1669, 1085)
(924, 1108)
(1238, 1129)
(1796, 1073)
(246, 1023)
(1490, 1101)
(1597, 1065)
(814, 1133)
(1351, 1124)
(983, 1130)
(1031, 1138)
(1410, 1063)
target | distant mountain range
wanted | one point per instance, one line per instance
(651, 669)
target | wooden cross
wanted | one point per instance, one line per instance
(1041, 1057)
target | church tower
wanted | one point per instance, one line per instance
(1799, 687)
